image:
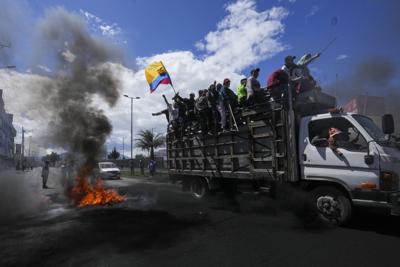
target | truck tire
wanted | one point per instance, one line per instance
(332, 205)
(199, 188)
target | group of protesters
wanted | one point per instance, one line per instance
(214, 109)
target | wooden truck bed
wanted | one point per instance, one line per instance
(257, 151)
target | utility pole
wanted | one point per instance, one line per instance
(336, 84)
(123, 147)
(29, 146)
(22, 149)
(132, 166)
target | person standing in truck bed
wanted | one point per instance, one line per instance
(213, 114)
(277, 84)
(241, 92)
(253, 86)
(202, 111)
(164, 111)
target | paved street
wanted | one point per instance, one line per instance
(158, 225)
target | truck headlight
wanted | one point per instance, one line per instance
(389, 181)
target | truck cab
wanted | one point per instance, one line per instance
(365, 171)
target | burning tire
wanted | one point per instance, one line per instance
(332, 205)
(199, 188)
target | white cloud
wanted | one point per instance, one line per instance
(314, 10)
(109, 30)
(242, 39)
(43, 68)
(245, 36)
(342, 57)
(68, 56)
(99, 25)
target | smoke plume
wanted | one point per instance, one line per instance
(373, 76)
(83, 71)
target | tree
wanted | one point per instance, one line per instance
(114, 154)
(149, 141)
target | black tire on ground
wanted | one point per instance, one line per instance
(332, 204)
(199, 188)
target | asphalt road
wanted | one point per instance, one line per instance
(158, 225)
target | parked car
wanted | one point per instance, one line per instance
(108, 170)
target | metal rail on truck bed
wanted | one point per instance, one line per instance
(264, 148)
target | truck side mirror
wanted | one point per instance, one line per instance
(387, 124)
(369, 159)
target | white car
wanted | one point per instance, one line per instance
(108, 170)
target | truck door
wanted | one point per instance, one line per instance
(320, 162)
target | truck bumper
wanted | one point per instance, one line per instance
(378, 199)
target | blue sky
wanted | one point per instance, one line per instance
(152, 27)
(234, 36)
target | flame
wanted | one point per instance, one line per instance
(84, 194)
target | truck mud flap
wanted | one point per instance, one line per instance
(395, 200)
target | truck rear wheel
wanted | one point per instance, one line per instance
(332, 205)
(199, 188)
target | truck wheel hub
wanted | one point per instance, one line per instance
(328, 205)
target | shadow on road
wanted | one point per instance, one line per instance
(375, 221)
(128, 230)
(51, 242)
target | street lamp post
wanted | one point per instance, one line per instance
(132, 167)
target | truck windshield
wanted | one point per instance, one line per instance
(371, 128)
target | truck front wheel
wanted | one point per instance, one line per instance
(332, 205)
(199, 188)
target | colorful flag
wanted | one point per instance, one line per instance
(156, 74)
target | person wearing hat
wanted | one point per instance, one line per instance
(253, 86)
(290, 67)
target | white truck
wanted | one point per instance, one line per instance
(285, 143)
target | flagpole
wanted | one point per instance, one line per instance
(169, 77)
(172, 87)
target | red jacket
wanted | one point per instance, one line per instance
(277, 78)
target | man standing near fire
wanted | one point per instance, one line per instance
(45, 174)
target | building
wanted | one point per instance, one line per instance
(7, 132)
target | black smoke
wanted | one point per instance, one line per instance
(374, 75)
(82, 66)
